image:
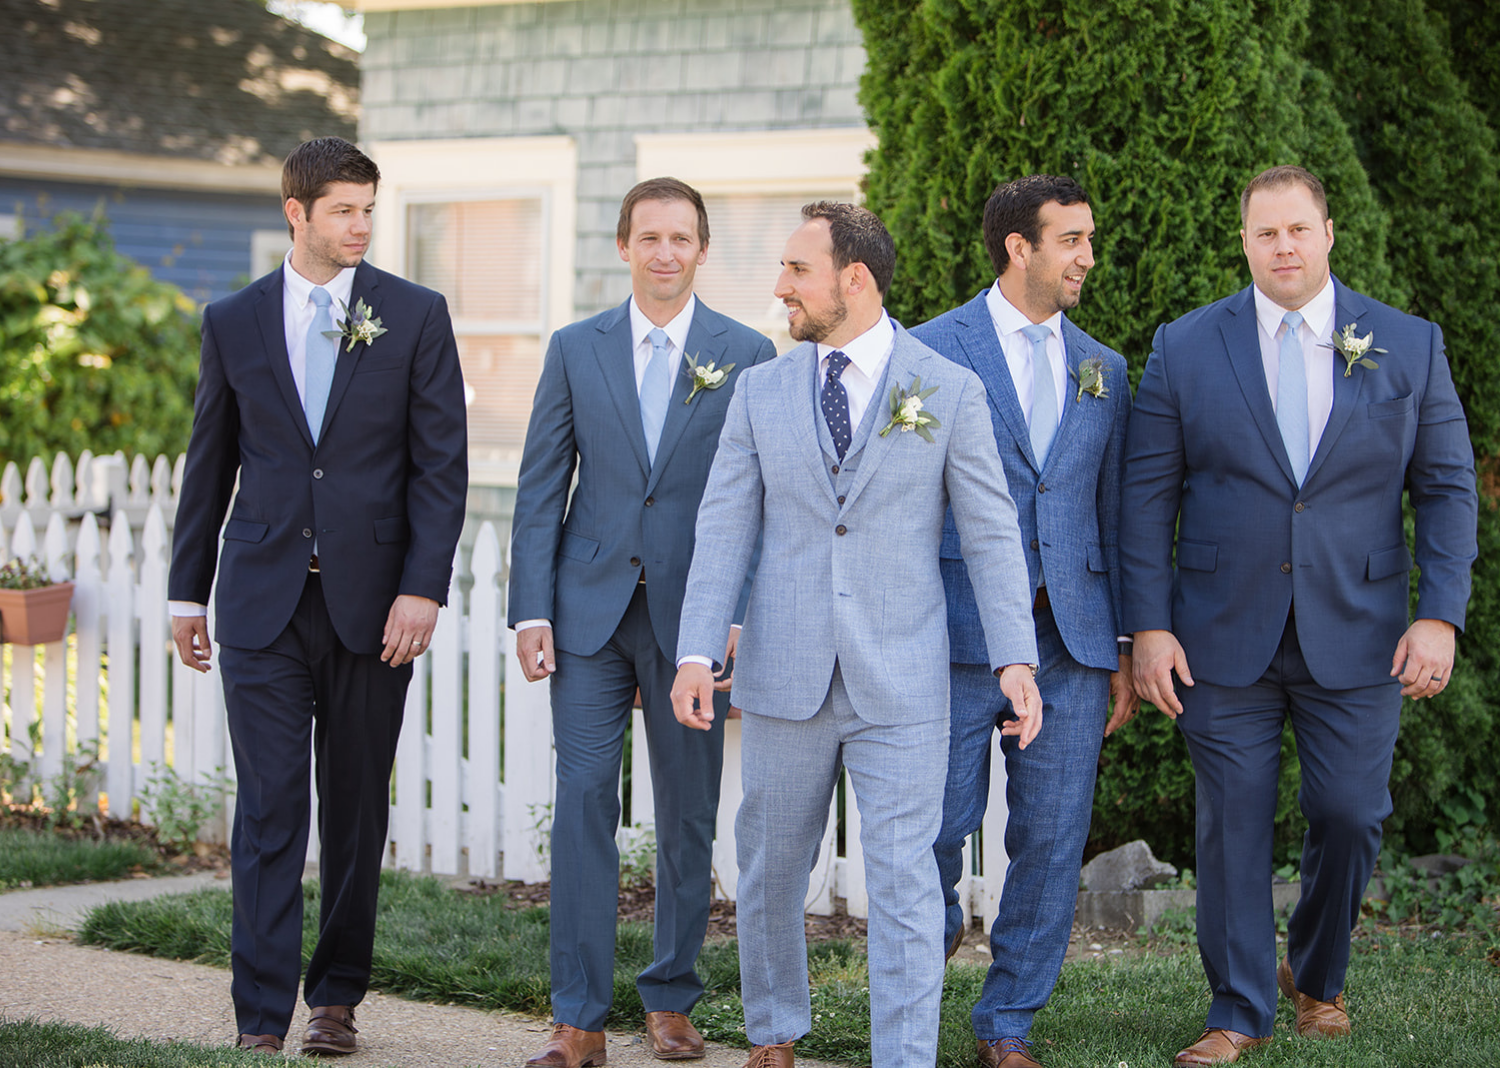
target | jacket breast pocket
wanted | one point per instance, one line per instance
(373, 365)
(1197, 556)
(1391, 408)
(577, 547)
(245, 530)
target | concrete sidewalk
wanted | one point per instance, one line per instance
(43, 975)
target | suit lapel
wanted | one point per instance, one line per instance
(617, 372)
(1348, 308)
(1077, 347)
(900, 371)
(705, 344)
(269, 313)
(981, 346)
(1242, 341)
(800, 379)
(365, 288)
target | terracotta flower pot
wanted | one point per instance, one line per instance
(34, 617)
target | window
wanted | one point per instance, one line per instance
(267, 249)
(11, 227)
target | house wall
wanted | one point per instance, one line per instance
(603, 72)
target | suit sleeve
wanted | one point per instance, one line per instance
(765, 351)
(438, 458)
(547, 464)
(727, 534)
(1111, 474)
(1440, 480)
(989, 532)
(208, 477)
(1151, 491)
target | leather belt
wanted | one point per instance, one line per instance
(312, 563)
(1042, 600)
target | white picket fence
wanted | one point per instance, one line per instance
(459, 807)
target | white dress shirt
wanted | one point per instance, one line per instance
(1315, 333)
(297, 311)
(868, 355)
(1009, 322)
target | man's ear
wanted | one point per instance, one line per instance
(294, 212)
(857, 278)
(1019, 249)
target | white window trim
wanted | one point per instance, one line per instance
(11, 227)
(267, 250)
(759, 161)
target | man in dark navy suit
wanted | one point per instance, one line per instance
(331, 390)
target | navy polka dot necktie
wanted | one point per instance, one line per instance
(835, 403)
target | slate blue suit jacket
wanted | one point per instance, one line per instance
(1205, 457)
(577, 562)
(853, 578)
(384, 488)
(1069, 509)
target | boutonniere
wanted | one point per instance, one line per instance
(1090, 375)
(705, 375)
(907, 412)
(1355, 350)
(358, 326)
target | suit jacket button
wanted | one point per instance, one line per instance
(307, 532)
(841, 529)
(650, 501)
(1286, 569)
(1035, 544)
(1298, 506)
(1041, 487)
(834, 468)
(317, 472)
(841, 500)
(635, 561)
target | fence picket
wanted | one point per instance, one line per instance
(483, 838)
(87, 597)
(55, 661)
(121, 649)
(154, 662)
(446, 750)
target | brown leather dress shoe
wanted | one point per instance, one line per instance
(571, 1048)
(330, 1029)
(1006, 1053)
(261, 1043)
(1315, 1019)
(673, 1036)
(777, 1056)
(1218, 1046)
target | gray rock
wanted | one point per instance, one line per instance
(1131, 867)
(1434, 864)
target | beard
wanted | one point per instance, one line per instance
(815, 328)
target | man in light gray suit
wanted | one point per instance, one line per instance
(843, 659)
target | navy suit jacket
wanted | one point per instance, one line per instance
(577, 562)
(1205, 459)
(1069, 508)
(384, 488)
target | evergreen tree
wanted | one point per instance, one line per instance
(1474, 40)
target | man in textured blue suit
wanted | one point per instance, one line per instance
(1273, 460)
(1060, 403)
(632, 400)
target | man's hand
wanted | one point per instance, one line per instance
(534, 648)
(694, 686)
(1157, 654)
(408, 629)
(1424, 658)
(1124, 703)
(190, 635)
(724, 677)
(1017, 684)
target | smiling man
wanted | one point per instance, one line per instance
(1274, 466)
(1063, 445)
(596, 586)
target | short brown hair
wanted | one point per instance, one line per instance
(315, 165)
(858, 236)
(1280, 178)
(661, 189)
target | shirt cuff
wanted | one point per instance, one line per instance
(528, 624)
(705, 661)
(186, 608)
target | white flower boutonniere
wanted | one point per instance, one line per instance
(705, 376)
(358, 326)
(1354, 349)
(1090, 375)
(907, 412)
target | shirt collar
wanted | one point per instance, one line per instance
(340, 287)
(676, 330)
(1316, 313)
(868, 352)
(1009, 319)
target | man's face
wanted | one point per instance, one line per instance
(1286, 241)
(334, 232)
(811, 289)
(664, 252)
(1062, 257)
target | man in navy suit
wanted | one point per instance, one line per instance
(1060, 403)
(1273, 461)
(632, 400)
(351, 459)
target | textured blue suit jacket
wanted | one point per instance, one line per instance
(1205, 457)
(1069, 509)
(384, 488)
(577, 562)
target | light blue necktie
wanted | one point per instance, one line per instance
(1043, 393)
(656, 390)
(322, 353)
(1291, 396)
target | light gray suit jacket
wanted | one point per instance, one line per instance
(853, 579)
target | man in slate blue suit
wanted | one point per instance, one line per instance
(842, 662)
(351, 460)
(1059, 402)
(1275, 464)
(632, 400)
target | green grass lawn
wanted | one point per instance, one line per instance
(27, 1044)
(37, 858)
(1416, 1001)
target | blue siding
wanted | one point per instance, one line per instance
(197, 240)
